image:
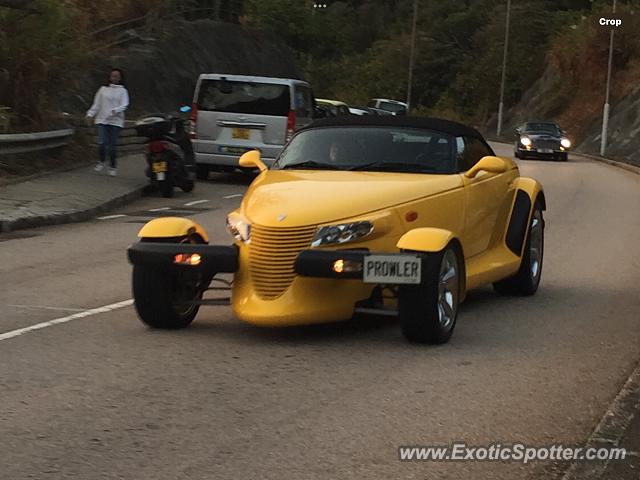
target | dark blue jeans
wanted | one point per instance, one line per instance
(108, 142)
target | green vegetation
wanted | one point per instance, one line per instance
(354, 50)
(47, 45)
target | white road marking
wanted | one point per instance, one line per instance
(44, 307)
(56, 321)
(111, 217)
(195, 202)
(234, 195)
(161, 209)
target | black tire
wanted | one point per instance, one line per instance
(526, 280)
(419, 305)
(516, 154)
(161, 297)
(202, 171)
(564, 157)
(187, 185)
(166, 186)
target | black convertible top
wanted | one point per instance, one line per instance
(435, 124)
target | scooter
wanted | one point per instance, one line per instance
(169, 153)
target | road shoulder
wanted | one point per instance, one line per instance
(70, 196)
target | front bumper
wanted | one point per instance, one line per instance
(535, 153)
(214, 258)
(319, 263)
(317, 294)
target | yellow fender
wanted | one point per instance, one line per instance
(167, 227)
(531, 187)
(425, 239)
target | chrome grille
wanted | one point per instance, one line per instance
(547, 143)
(272, 254)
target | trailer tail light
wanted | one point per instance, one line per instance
(157, 146)
(194, 121)
(291, 124)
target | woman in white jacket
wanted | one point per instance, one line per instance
(107, 112)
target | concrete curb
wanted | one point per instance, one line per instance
(71, 216)
(611, 429)
(614, 163)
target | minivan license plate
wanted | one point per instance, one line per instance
(392, 269)
(241, 133)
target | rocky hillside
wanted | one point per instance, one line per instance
(572, 88)
(161, 70)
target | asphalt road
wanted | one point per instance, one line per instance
(103, 397)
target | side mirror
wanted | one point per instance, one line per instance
(252, 159)
(487, 164)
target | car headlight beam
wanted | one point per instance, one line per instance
(343, 233)
(526, 141)
(565, 142)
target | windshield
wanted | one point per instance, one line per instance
(244, 97)
(369, 149)
(542, 127)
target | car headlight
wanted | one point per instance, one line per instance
(526, 141)
(238, 227)
(343, 233)
(565, 142)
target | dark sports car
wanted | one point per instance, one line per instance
(542, 140)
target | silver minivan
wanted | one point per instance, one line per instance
(232, 114)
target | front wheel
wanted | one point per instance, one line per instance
(166, 186)
(428, 311)
(168, 299)
(526, 280)
(187, 185)
(202, 172)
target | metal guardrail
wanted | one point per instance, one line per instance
(33, 142)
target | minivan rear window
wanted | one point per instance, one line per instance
(244, 97)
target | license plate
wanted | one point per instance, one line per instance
(545, 150)
(241, 133)
(160, 176)
(159, 167)
(392, 269)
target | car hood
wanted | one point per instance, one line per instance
(542, 136)
(289, 198)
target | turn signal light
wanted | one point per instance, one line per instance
(186, 259)
(411, 216)
(346, 266)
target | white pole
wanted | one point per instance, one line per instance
(412, 53)
(504, 68)
(605, 112)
